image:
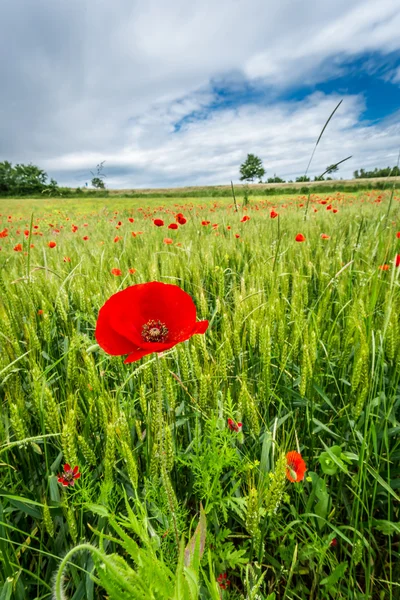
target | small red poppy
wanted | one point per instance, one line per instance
(234, 426)
(26, 232)
(180, 219)
(158, 222)
(300, 238)
(273, 214)
(40, 311)
(74, 228)
(296, 467)
(4, 233)
(244, 219)
(132, 271)
(335, 210)
(52, 244)
(116, 272)
(205, 223)
(334, 542)
(117, 238)
(398, 234)
(397, 260)
(237, 235)
(223, 581)
(168, 241)
(69, 475)
(173, 226)
(67, 259)
(18, 248)
(324, 236)
(384, 267)
(86, 237)
(131, 220)
(146, 318)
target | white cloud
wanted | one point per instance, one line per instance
(210, 151)
(89, 81)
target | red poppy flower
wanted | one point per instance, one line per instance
(244, 219)
(329, 207)
(237, 235)
(205, 222)
(398, 234)
(180, 219)
(173, 226)
(223, 581)
(116, 272)
(86, 237)
(158, 222)
(52, 244)
(397, 260)
(273, 214)
(67, 259)
(296, 467)
(146, 318)
(334, 542)
(324, 236)
(131, 220)
(117, 238)
(26, 232)
(335, 210)
(69, 475)
(4, 233)
(300, 238)
(18, 248)
(40, 311)
(234, 426)
(384, 267)
(168, 241)
(74, 228)
(132, 271)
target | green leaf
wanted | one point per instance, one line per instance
(198, 537)
(334, 577)
(98, 509)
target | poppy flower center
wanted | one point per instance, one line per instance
(154, 331)
(69, 475)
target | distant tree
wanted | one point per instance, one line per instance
(275, 179)
(332, 169)
(252, 168)
(386, 172)
(97, 180)
(319, 178)
(302, 178)
(22, 180)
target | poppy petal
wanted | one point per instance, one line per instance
(75, 470)
(67, 467)
(200, 327)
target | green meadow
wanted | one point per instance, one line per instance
(185, 490)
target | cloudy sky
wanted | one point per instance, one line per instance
(177, 93)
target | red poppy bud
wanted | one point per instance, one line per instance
(296, 467)
(300, 238)
(273, 214)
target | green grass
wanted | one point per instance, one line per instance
(303, 348)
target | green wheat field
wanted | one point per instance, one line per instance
(175, 500)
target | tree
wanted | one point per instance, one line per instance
(21, 180)
(275, 179)
(332, 169)
(302, 178)
(252, 168)
(97, 180)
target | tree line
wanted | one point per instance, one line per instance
(25, 180)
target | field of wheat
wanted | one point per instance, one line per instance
(255, 457)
